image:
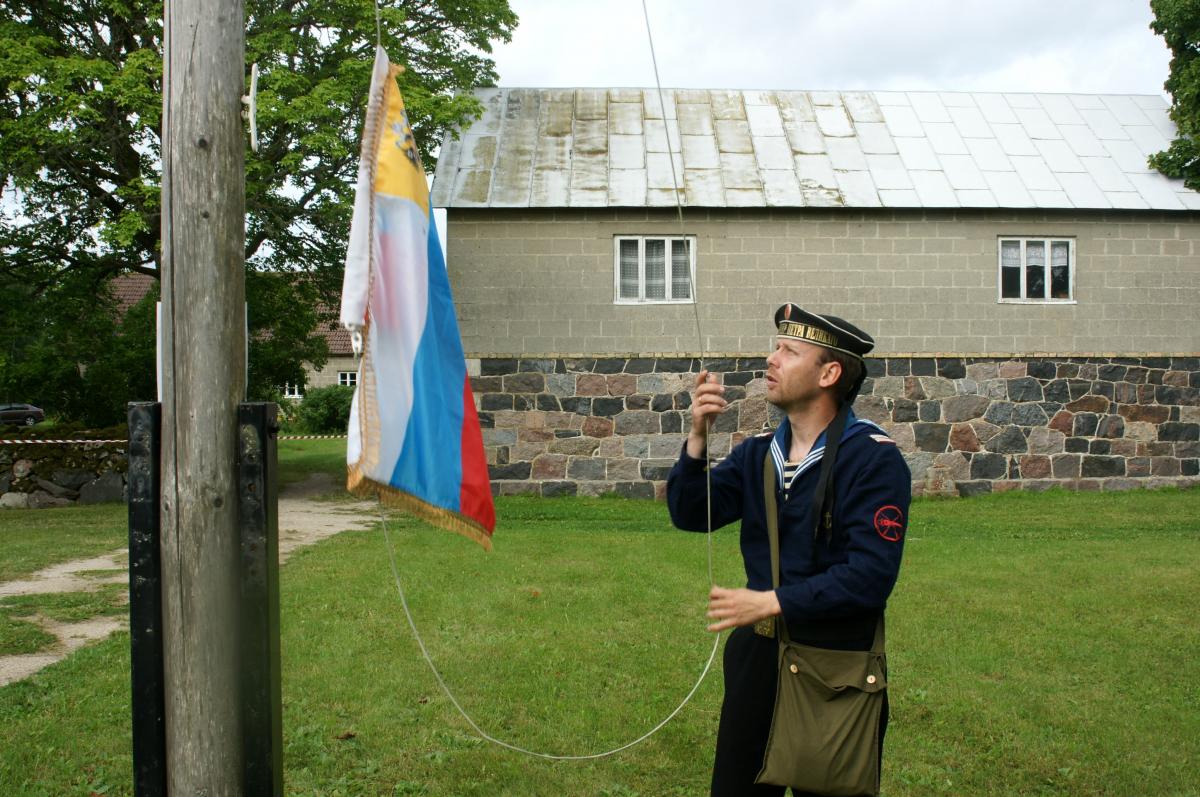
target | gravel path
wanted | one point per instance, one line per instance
(303, 520)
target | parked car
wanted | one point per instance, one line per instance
(24, 414)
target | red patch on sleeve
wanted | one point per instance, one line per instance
(889, 523)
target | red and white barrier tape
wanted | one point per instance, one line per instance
(312, 437)
(85, 442)
(58, 442)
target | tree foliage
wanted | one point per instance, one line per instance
(1178, 22)
(74, 360)
(325, 410)
(80, 120)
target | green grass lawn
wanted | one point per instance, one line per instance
(299, 458)
(31, 539)
(1040, 644)
(34, 539)
(18, 635)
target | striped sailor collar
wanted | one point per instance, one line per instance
(782, 441)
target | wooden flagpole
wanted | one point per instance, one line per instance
(203, 295)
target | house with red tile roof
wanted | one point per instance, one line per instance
(340, 368)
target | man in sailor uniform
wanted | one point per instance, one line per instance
(835, 577)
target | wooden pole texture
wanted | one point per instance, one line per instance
(203, 294)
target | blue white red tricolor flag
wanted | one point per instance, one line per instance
(414, 436)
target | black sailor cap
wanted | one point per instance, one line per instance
(792, 321)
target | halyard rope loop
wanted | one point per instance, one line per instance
(708, 498)
(507, 745)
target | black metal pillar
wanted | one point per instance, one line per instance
(260, 685)
(262, 704)
(145, 602)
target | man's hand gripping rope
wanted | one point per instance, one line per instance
(729, 607)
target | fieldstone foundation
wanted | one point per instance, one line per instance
(590, 426)
(40, 475)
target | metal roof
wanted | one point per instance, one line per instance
(610, 148)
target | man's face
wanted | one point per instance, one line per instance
(796, 375)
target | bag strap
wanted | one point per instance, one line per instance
(771, 504)
(823, 495)
(772, 516)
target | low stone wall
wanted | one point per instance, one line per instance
(589, 426)
(40, 475)
(975, 426)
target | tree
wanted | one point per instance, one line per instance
(1178, 21)
(80, 129)
(325, 410)
(74, 359)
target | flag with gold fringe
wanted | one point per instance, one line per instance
(414, 437)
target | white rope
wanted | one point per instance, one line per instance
(708, 507)
(691, 280)
(516, 748)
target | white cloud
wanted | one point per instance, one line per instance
(1087, 46)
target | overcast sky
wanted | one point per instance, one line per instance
(1086, 46)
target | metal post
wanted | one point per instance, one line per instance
(262, 714)
(203, 325)
(145, 602)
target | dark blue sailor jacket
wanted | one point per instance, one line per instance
(833, 588)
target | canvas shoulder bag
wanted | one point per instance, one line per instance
(825, 728)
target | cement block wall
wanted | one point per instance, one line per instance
(328, 373)
(539, 283)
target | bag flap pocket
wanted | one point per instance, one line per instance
(837, 670)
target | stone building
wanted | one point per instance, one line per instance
(1031, 283)
(340, 369)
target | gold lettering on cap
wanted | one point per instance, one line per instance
(793, 329)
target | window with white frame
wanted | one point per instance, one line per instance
(348, 378)
(654, 269)
(291, 391)
(1037, 269)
